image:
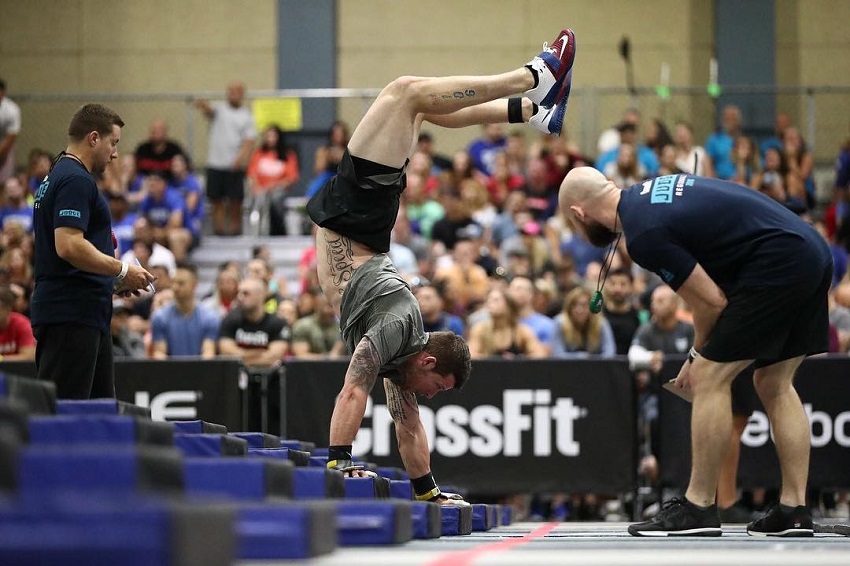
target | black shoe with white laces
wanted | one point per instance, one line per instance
(783, 521)
(680, 517)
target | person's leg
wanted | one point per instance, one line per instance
(727, 485)
(743, 405)
(235, 197)
(103, 382)
(66, 355)
(711, 425)
(387, 133)
(215, 193)
(218, 217)
(774, 385)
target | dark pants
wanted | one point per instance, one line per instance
(77, 358)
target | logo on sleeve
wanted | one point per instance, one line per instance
(666, 275)
(70, 212)
(42, 190)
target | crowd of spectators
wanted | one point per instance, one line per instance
(477, 236)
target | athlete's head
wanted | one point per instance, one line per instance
(583, 187)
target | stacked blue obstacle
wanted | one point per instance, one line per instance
(98, 482)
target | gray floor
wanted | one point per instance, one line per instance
(593, 544)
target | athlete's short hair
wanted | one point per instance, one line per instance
(452, 354)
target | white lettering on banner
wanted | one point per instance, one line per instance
(823, 429)
(485, 431)
(161, 405)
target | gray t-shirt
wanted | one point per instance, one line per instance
(378, 304)
(675, 341)
(229, 127)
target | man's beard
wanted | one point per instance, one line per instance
(599, 235)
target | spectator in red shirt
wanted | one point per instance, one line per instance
(16, 339)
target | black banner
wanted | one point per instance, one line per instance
(823, 384)
(183, 389)
(177, 389)
(541, 425)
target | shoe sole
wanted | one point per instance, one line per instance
(561, 88)
(785, 533)
(700, 532)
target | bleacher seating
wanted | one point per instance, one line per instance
(214, 250)
(100, 483)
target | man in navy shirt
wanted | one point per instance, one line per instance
(76, 270)
(756, 277)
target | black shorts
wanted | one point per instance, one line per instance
(225, 185)
(771, 324)
(360, 202)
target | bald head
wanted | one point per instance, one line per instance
(588, 201)
(581, 185)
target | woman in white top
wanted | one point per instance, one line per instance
(687, 153)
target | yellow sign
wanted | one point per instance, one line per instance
(285, 113)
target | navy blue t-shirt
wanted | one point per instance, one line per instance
(741, 237)
(68, 197)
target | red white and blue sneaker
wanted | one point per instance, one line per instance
(552, 68)
(550, 120)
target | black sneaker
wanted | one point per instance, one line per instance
(680, 517)
(782, 521)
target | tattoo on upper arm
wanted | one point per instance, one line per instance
(364, 366)
(400, 403)
(340, 259)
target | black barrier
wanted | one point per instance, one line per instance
(541, 425)
(176, 389)
(823, 384)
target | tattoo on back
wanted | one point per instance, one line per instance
(340, 259)
(364, 366)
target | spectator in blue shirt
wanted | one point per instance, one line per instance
(16, 208)
(187, 184)
(521, 290)
(628, 135)
(719, 144)
(483, 150)
(164, 208)
(122, 222)
(184, 328)
(434, 318)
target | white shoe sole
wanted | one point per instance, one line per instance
(785, 533)
(702, 531)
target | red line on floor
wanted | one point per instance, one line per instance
(467, 557)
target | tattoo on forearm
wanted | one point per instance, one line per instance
(340, 259)
(364, 366)
(395, 403)
(401, 404)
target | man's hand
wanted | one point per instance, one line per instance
(136, 279)
(349, 470)
(683, 380)
(446, 498)
(339, 458)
